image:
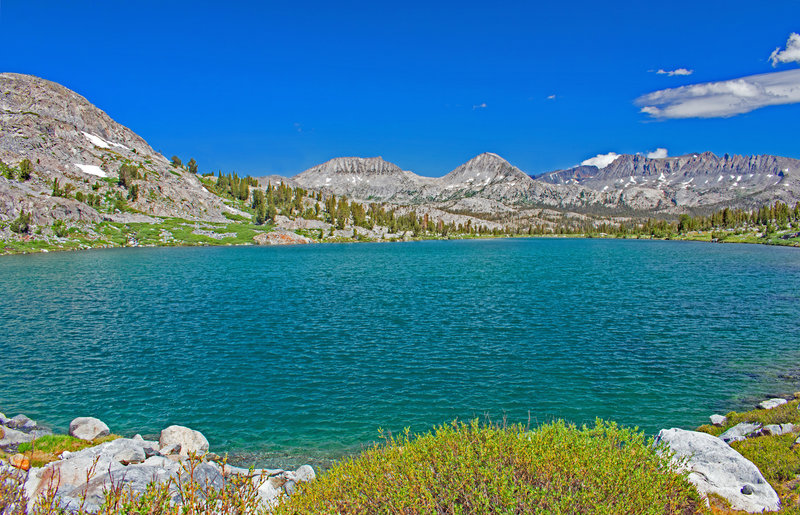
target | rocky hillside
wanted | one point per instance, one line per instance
(69, 140)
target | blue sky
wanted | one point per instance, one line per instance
(267, 87)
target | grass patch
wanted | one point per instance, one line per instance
(49, 447)
(474, 468)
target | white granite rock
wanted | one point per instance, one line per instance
(717, 468)
(88, 428)
(190, 441)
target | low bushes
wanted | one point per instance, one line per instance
(474, 468)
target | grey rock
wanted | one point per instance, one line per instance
(775, 430)
(169, 450)
(190, 441)
(717, 468)
(130, 455)
(3, 419)
(739, 432)
(88, 428)
(772, 403)
(289, 487)
(718, 420)
(135, 478)
(305, 473)
(12, 438)
(21, 423)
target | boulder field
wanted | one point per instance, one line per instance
(80, 479)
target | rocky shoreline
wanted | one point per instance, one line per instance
(79, 480)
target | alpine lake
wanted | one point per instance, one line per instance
(304, 354)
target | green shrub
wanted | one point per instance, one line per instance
(473, 468)
(21, 224)
(25, 169)
(773, 455)
(60, 228)
(128, 174)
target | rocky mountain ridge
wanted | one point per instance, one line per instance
(630, 183)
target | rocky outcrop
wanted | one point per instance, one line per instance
(715, 468)
(18, 430)
(280, 237)
(88, 428)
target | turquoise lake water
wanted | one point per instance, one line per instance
(295, 354)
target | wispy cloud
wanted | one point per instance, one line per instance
(551, 97)
(791, 54)
(659, 153)
(479, 106)
(672, 73)
(724, 98)
(601, 160)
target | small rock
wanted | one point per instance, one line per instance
(796, 443)
(305, 473)
(88, 428)
(718, 420)
(774, 430)
(130, 455)
(170, 449)
(289, 487)
(212, 456)
(747, 490)
(138, 437)
(190, 441)
(4, 420)
(739, 432)
(20, 461)
(772, 403)
(269, 494)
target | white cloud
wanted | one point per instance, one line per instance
(724, 98)
(790, 55)
(659, 153)
(479, 106)
(672, 73)
(551, 97)
(601, 160)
